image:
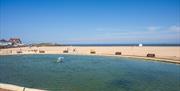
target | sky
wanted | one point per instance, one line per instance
(91, 21)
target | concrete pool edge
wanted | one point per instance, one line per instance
(11, 87)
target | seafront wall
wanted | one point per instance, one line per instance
(162, 52)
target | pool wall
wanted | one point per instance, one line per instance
(171, 53)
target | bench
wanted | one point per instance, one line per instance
(19, 52)
(92, 52)
(150, 55)
(118, 53)
(65, 51)
(41, 51)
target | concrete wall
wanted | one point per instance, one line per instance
(17, 88)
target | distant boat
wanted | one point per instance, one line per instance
(60, 59)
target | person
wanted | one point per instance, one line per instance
(74, 50)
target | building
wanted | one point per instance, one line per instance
(4, 43)
(12, 42)
(15, 41)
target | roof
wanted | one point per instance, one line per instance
(3, 40)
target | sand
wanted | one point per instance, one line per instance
(4, 90)
(162, 53)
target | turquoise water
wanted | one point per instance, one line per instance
(89, 73)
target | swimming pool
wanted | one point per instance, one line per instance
(89, 73)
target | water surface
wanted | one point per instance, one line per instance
(89, 73)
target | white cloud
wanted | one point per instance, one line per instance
(174, 28)
(153, 29)
(151, 33)
(127, 39)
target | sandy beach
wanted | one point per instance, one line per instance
(161, 53)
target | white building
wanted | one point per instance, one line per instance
(5, 43)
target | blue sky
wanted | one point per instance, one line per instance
(91, 21)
